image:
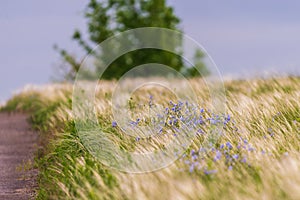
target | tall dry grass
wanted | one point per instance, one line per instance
(263, 132)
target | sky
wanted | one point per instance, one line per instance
(242, 37)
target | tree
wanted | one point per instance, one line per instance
(200, 68)
(108, 17)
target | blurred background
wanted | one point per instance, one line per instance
(245, 39)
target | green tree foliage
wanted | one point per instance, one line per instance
(200, 69)
(108, 17)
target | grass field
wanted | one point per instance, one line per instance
(256, 156)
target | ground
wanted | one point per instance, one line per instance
(17, 147)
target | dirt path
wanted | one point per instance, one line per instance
(17, 147)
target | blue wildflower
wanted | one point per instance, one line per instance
(173, 104)
(186, 103)
(192, 168)
(228, 118)
(222, 146)
(194, 157)
(160, 131)
(218, 156)
(114, 124)
(192, 152)
(208, 172)
(228, 158)
(213, 121)
(200, 131)
(133, 123)
(228, 144)
(251, 149)
(180, 103)
(244, 160)
(150, 102)
(166, 110)
(181, 118)
(159, 116)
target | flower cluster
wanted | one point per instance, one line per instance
(204, 159)
(177, 118)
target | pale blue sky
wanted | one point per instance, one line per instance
(242, 37)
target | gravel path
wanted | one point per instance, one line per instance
(17, 146)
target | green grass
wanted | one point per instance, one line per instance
(264, 112)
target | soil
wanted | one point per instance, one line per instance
(18, 144)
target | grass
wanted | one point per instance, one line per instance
(256, 157)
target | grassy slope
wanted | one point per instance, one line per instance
(260, 157)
